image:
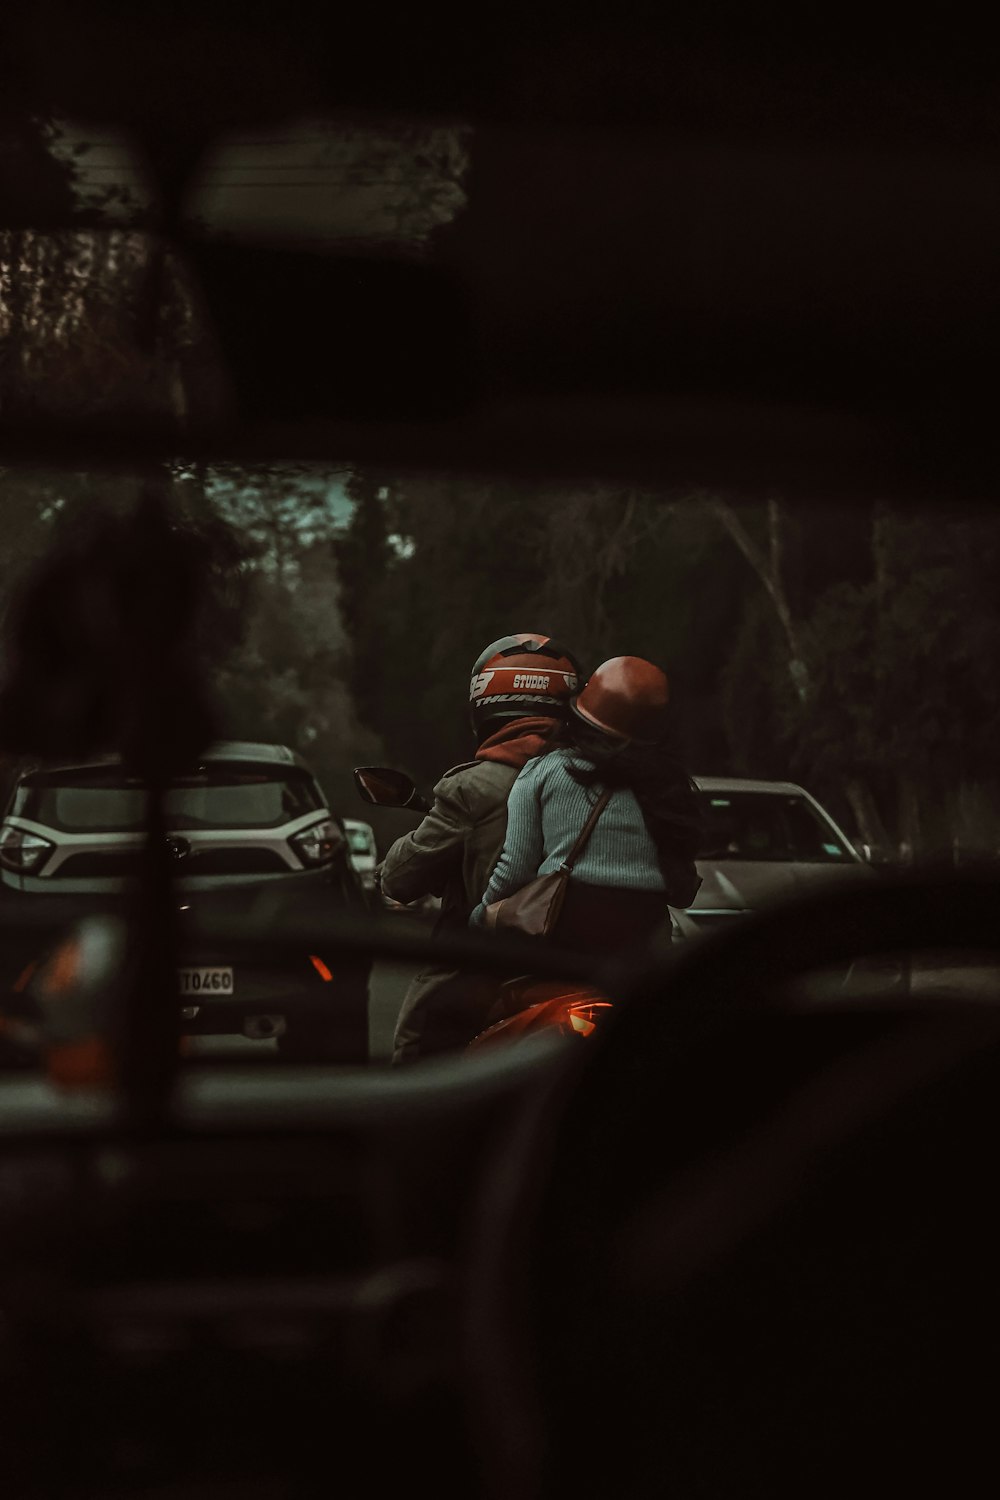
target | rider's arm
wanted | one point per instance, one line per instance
(420, 863)
(523, 848)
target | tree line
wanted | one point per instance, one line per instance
(850, 648)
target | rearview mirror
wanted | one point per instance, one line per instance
(385, 787)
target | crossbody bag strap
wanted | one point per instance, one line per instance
(586, 831)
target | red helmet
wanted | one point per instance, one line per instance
(520, 676)
(625, 698)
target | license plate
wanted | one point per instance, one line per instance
(206, 981)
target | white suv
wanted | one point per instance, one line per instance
(246, 810)
(248, 826)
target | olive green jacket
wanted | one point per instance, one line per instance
(450, 854)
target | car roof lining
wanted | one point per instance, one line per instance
(631, 377)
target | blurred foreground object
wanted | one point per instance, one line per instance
(62, 1012)
(101, 645)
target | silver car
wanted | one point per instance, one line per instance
(764, 839)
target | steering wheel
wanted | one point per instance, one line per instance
(745, 1246)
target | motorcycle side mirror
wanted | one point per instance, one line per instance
(384, 787)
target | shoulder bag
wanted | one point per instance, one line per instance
(534, 910)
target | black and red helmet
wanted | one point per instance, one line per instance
(519, 677)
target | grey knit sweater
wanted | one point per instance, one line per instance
(547, 809)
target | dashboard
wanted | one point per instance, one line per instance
(724, 1215)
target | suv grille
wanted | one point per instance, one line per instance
(123, 863)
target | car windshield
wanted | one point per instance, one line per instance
(768, 826)
(220, 798)
(527, 408)
(352, 568)
(344, 610)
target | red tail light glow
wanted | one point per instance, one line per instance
(321, 968)
(581, 1015)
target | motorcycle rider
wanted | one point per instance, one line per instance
(518, 697)
(640, 857)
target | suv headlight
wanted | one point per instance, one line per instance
(22, 851)
(319, 844)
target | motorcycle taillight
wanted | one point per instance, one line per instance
(582, 1016)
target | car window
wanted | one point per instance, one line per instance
(218, 799)
(810, 837)
(841, 645)
(768, 826)
(348, 601)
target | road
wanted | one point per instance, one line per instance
(390, 981)
(385, 996)
(934, 976)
